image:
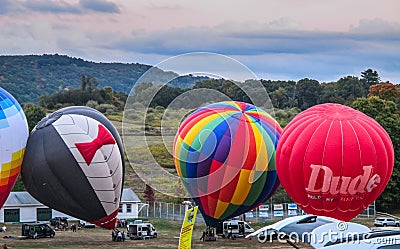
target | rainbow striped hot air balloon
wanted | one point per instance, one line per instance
(13, 135)
(225, 155)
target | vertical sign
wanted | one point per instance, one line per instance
(185, 240)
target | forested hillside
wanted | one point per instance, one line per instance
(30, 76)
(55, 81)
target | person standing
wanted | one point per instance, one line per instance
(203, 236)
(123, 236)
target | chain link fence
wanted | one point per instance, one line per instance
(169, 211)
(264, 213)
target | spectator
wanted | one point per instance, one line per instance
(203, 236)
(123, 223)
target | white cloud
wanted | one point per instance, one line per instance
(376, 26)
(284, 23)
(279, 43)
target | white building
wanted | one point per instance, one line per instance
(130, 205)
(22, 207)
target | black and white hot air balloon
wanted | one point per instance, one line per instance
(74, 163)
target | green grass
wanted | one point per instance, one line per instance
(98, 238)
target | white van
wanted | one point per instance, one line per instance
(141, 231)
(235, 227)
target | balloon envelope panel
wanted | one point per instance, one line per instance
(334, 160)
(13, 136)
(225, 155)
(73, 164)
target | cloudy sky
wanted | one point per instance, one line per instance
(277, 39)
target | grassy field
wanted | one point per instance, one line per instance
(168, 232)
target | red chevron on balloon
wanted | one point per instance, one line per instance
(88, 149)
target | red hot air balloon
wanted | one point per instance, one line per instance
(334, 160)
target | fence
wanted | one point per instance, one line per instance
(169, 211)
(264, 213)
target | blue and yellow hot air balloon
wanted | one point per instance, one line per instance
(13, 136)
(225, 156)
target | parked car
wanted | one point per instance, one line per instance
(37, 230)
(55, 221)
(386, 221)
(86, 224)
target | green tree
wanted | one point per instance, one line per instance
(330, 94)
(308, 92)
(279, 98)
(87, 93)
(284, 116)
(166, 95)
(34, 114)
(88, 84)
(143, 92)
(289, 95)
(83, 83)
(370, 77)
(386, 114)
(350, 88)
(19, 185)
(208, 84)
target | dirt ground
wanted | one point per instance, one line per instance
(101, 239)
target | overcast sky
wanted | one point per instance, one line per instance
(277, 39)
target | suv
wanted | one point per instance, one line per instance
(37, 230)
(58, 220)
(384, 222)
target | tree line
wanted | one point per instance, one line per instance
(283, 94)
(379, 100)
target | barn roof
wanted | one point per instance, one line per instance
(21, 199)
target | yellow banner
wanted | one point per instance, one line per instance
(185, 240)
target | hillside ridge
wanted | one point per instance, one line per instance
(27, 77)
